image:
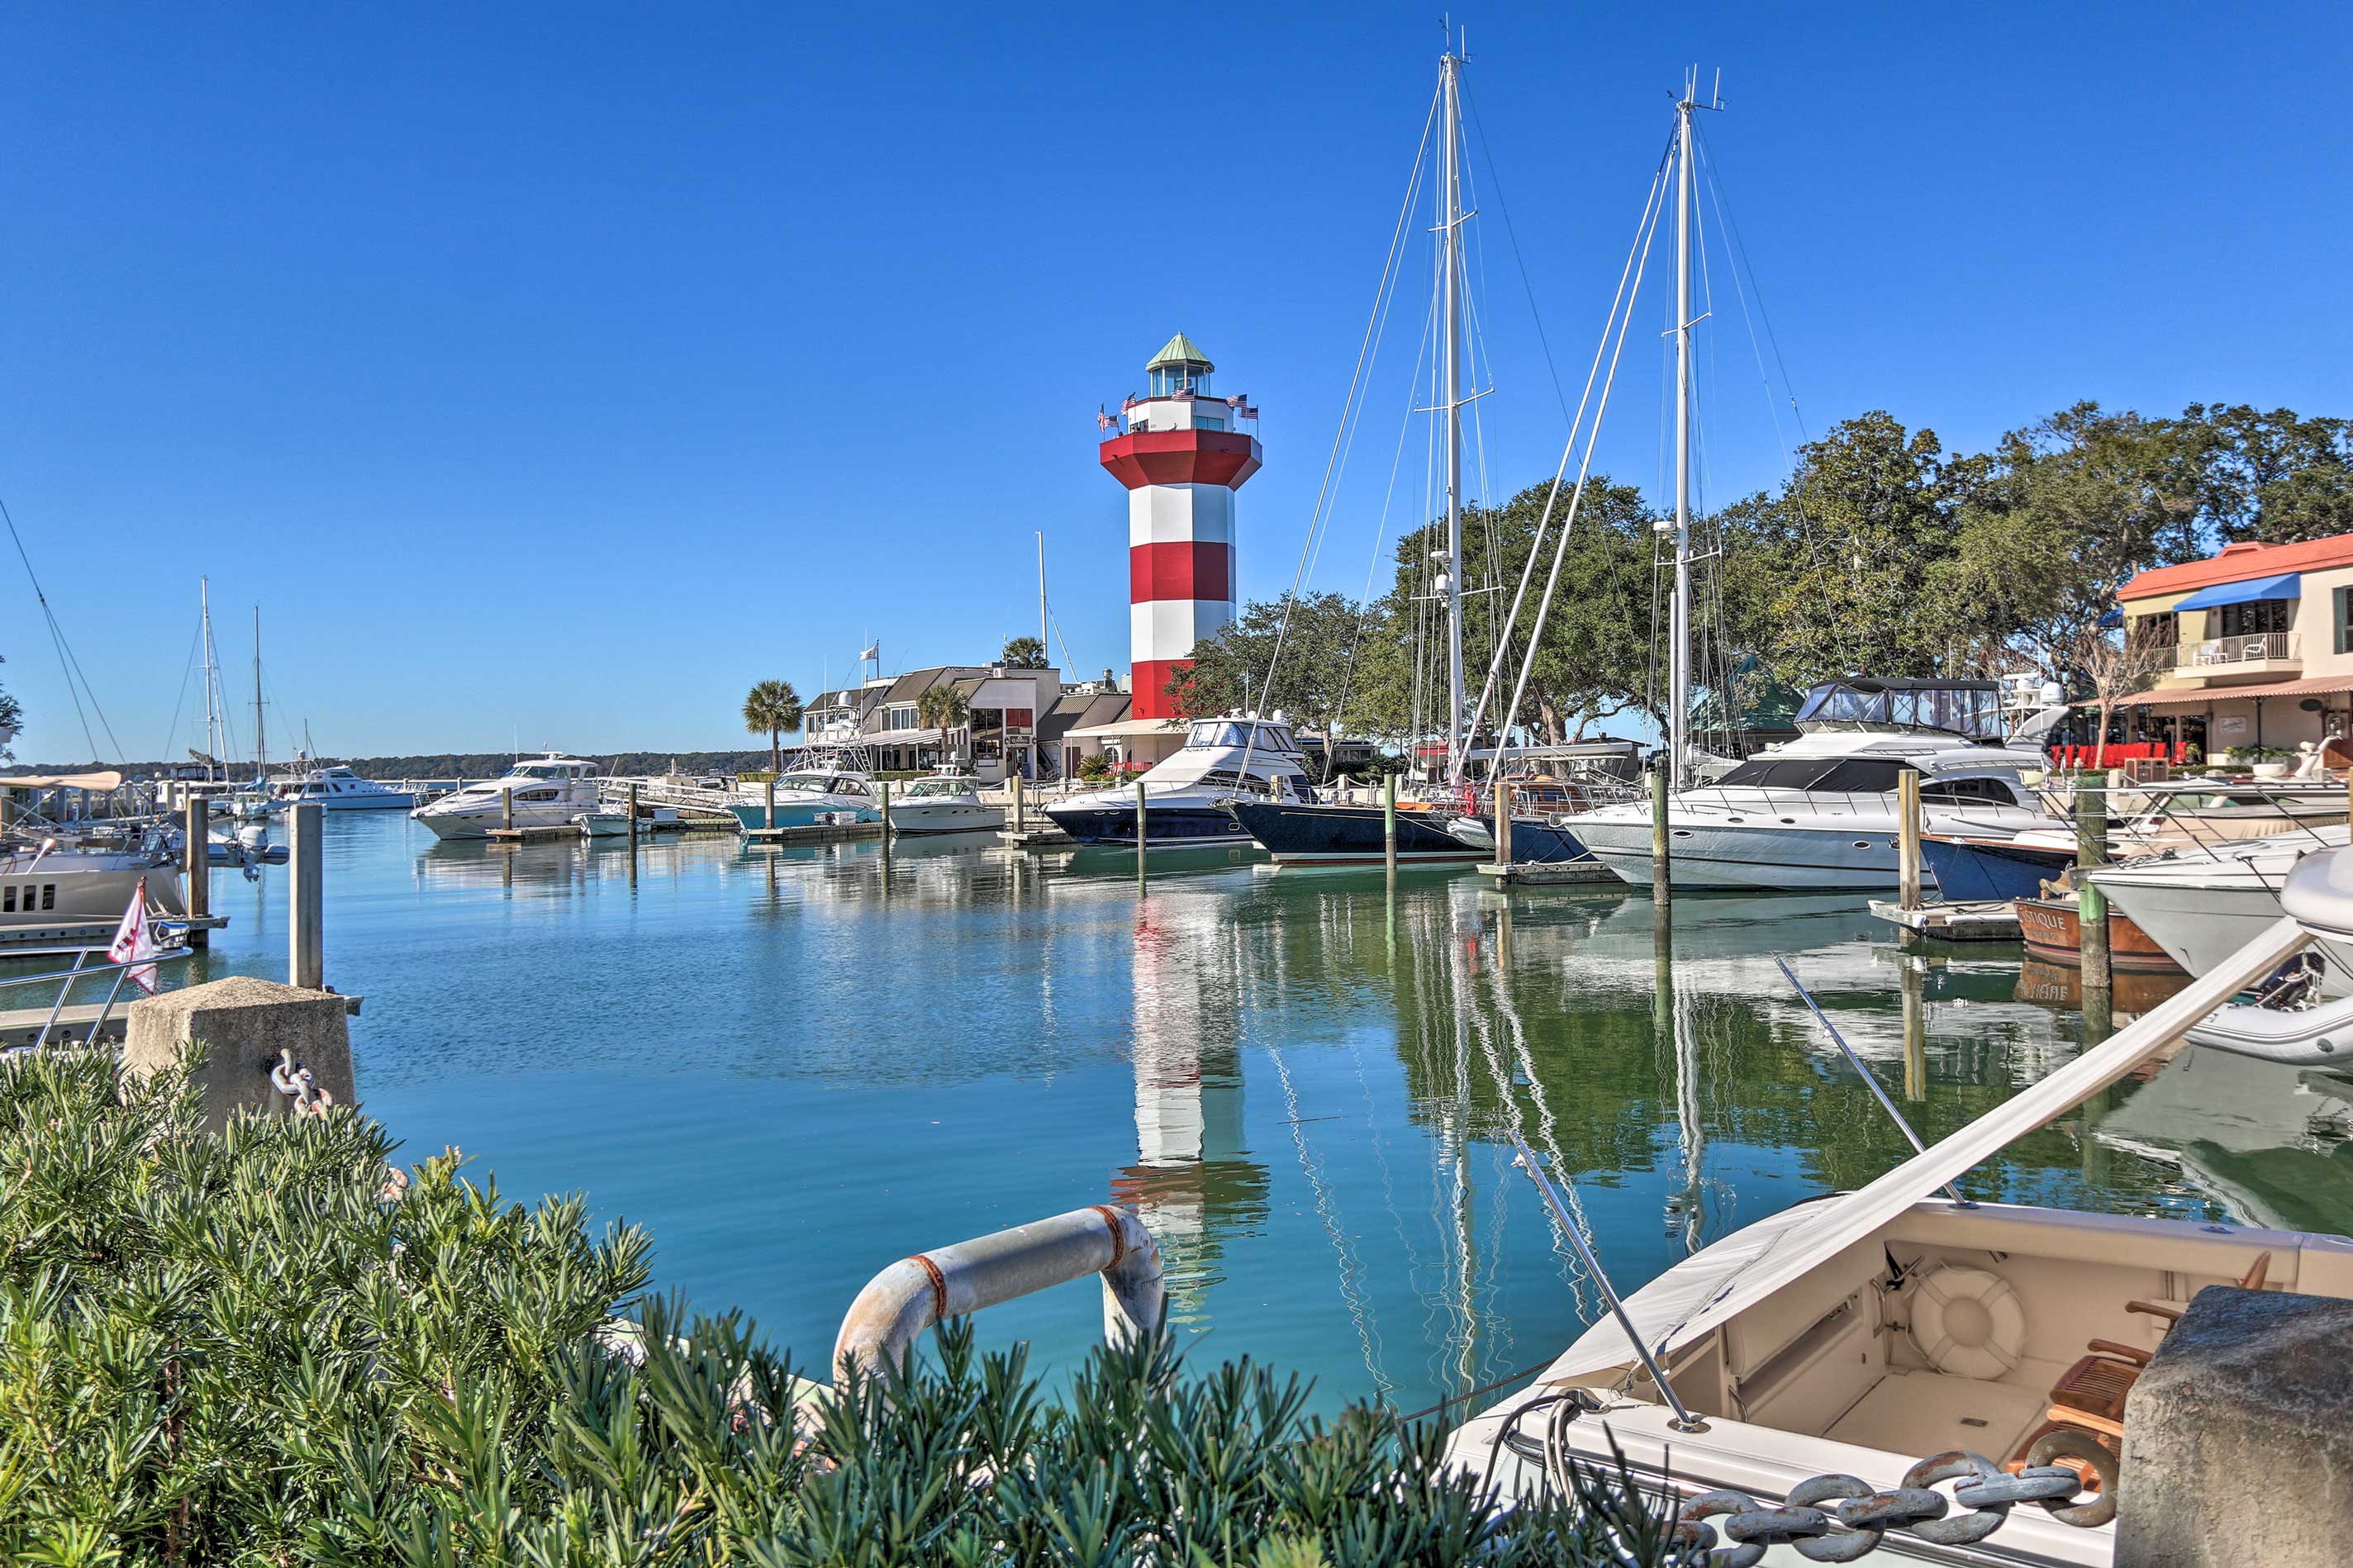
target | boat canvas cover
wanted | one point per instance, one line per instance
(104, 780)
(1736, 1273)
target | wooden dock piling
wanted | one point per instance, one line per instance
(1502, 820)
(1389, 822)
(1907, 838)
(1661, 882)
(2091, 905)
(200, 871)
(306, 953)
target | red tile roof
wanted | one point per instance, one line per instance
(2237, 563)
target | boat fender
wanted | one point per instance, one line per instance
(1968, 1323)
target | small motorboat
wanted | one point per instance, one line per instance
(2291, 1021)
(2052, 929)
(603, 824)
(947, 801)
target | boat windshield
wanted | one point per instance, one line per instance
(550, 770)
(1234, 732)
(936, 787)
(1857, 775)
(813, 783)
(1968, 708)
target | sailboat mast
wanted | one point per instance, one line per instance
(1679, 626)
(212, 677)
(1044, 641)
(1450, 249)
(261, 746)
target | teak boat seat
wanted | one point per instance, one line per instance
(2090, 1395)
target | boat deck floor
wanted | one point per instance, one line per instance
(1923, 1413)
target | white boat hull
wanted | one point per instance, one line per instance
(944, 817)
(475, 822)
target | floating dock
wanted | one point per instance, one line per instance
(814, 833)
(1986, 921)
(1044, 837)
(1553, 874)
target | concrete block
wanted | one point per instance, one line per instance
(246, 1021)
(2238, 1446)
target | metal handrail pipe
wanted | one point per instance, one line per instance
(917, 1292)
(168, 955)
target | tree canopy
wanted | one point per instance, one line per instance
(1883, 553)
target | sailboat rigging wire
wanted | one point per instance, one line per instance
(1643, 229)
(186, 670)
(1585, 468)
(71, 666)
(1341, 443)
(1496, 177)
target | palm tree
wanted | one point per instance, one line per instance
(1023, 653)
(774, 707)
(943, 707)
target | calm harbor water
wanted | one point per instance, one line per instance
(794, 1069)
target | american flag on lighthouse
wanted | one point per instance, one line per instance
(135, 940)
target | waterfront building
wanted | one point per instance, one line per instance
(2251, 646)
(1182, 453)
(1001, 734)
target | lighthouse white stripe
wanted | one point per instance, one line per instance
(1176, 514)
(1168, 629)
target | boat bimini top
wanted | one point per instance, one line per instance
(1970, 708)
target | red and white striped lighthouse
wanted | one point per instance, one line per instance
(1182, 456)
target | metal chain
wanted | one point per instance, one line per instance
(1855, 1523)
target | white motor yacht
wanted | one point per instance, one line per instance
(947, 801)
(546, 792)
(1818, 812)
(337, 789)
(2200, 905)
(45, 887)
(807, 797)
(1866, 1334)
(1235, 758)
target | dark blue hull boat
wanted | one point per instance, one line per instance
(1350, 835)
(1972, 869)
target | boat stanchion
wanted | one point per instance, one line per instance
(2090, 904)
(1684, 1420)
(200, 872)
(1864, 1072)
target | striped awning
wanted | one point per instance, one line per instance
(2200, 695)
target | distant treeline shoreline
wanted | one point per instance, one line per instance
(461, 764)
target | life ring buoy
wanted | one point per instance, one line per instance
(1968, 1323)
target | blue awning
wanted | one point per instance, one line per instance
(2247, 592)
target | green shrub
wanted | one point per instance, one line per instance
(246, 1350)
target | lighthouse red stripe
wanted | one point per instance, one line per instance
(1150, 681)
(1179, 570)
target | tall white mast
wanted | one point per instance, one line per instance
(212, 677)
(1679, 624)
(261, 746)
(1044, 641)
(1450, 250)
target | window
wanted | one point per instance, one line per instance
(2343, 600)
(1992, 792)
(8, 901)
(1776, 775)
(2255, 619)
(2161, 630)
(1860, 775)
(1208, 422)
(536, 794)
(49, 895)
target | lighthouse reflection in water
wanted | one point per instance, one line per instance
(796, 1067)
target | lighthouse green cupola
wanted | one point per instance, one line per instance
(1180, 366)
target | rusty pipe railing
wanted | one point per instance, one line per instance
(916, 1292)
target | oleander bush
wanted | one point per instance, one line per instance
(257, 1348)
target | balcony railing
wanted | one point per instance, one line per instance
(2251, 647)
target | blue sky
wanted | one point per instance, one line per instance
(549, 373)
